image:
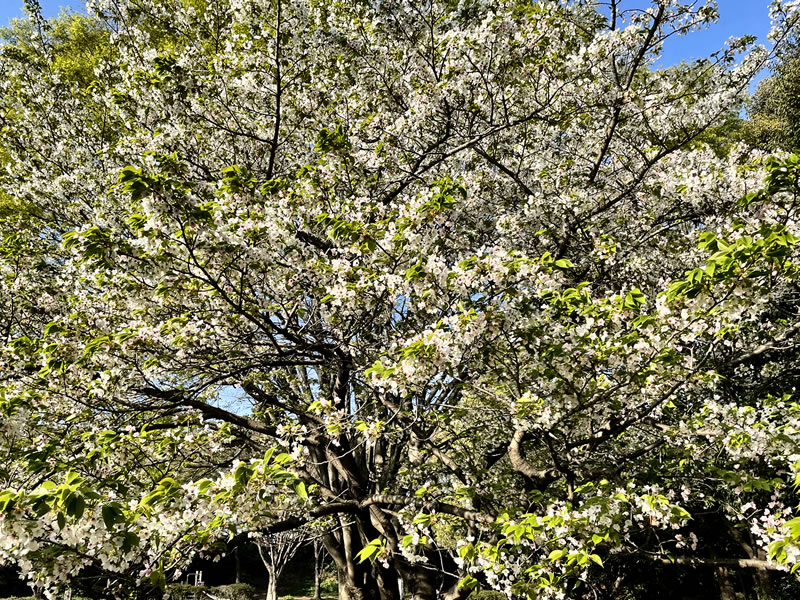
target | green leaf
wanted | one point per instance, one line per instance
(158, 579)
(129, 541)
(203, 485)
(329, 140)
(557, 554)
(272, 186)
(415, 272)
(634, 299)
(300, 489)
(423, 519)
(151, 497)
(75, 506)
(468, 582)
(242, 474)
(112, 514)
(53, 328)
(369, 550)
(465, 551)
(366, 553)
(794, 527)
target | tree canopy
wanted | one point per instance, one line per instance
(773, 109)
(461, 285)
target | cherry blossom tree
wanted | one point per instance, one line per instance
(458, 283)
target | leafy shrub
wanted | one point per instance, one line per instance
(183, 591)
(329, 584)
(235, 591)
(487, 595)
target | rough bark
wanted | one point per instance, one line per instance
(355, 582)
(319, 564)
(272, 584)
(342, 584)
(420, 583)
(726, 591)
(761, 576)
(388, 583)
(764, 587)
(362, 587)
(456, 593)
(317, 587)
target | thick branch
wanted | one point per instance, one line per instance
(615, 119)
(540, 478)
(424, 438)
(753, 354)
(354, 507)
(742, 563)
(179, 398)
(273, 151)
(442, 507)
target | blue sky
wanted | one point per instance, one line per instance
(13, 8)
(738, 17)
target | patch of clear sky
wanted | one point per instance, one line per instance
(737, 18)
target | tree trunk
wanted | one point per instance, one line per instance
(764, 588)
(355, 588)
(348, 589)
(366, 585)
(342, 584)
(356, 581)
(272, 584)
(456, 593)
(388, 583)
(238, 565)
(726, 591)
(762, 577)
(319, 562)
(420, 583)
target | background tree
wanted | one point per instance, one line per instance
(319, 566)
(436, 257)
(276, 550)
(773, 114)
(773, 109)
